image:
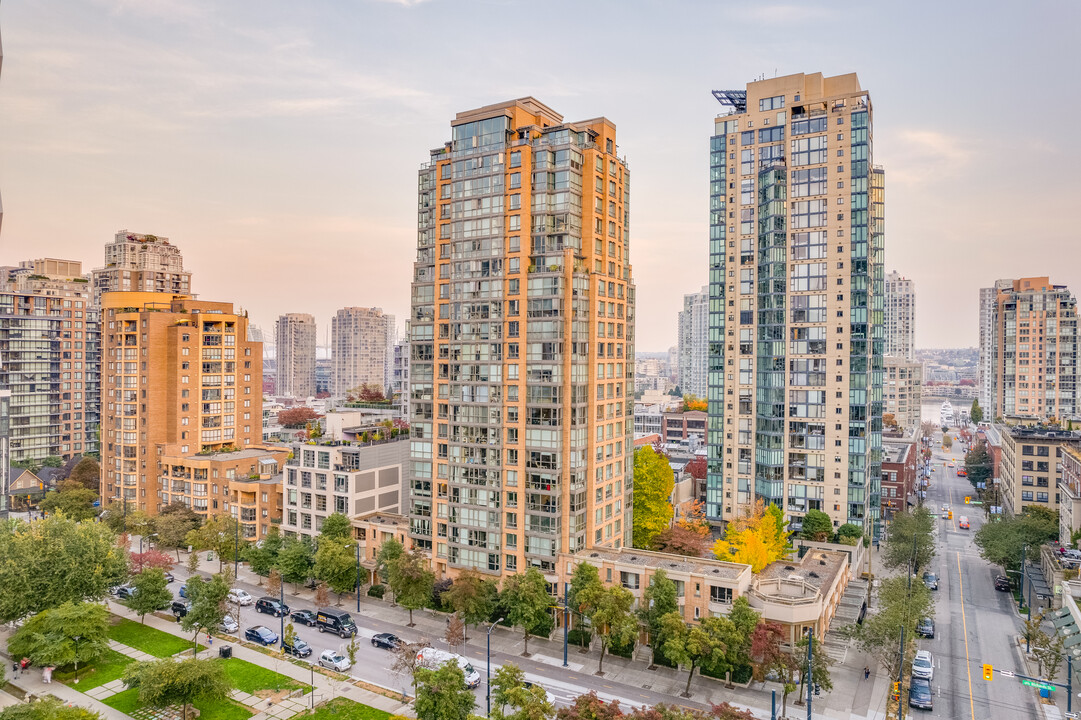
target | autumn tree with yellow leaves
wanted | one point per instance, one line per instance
(757, 538)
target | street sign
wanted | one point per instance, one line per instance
(976, 502)
(1039, 685)
(1069, 715)
(1006, 673)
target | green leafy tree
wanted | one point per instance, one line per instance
(770, 659)
(351, 650)
(151, 592)
(442, 694)
(1048, 651)
(220, 533)
(47, 708)
(947, 441)
(56, 560)
(817, 526)
(472, 597)
(72, 633)
(976, 413)
(295, 562)
(208, 605)
(389, 551)
(336, 565)
(508, 678)
(653, 484)
(263, 557)
(659, 599)
(820, 664)
(1032, 627)
(908, 527)
(168, 682)
(527, 601)
(509, 690)
(87, 472)
(979, 464)
(691, 645)
(72, 500)
(1001, 543)
(850, 530)
(336, 526)
(609, 610)
(289, 636)
(585, 577)
(744, 620)
(173, 528)
(900, 602)
(412, 581)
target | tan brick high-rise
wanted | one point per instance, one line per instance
(175, 371)
(522, 337)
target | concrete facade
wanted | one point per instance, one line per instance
(985, 370)
(903, 392)
(900, 317)
(295, 359)
(1032, 466)
(138, 262)
(359, 339)
(693, 340)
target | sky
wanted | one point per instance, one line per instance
(277, 143)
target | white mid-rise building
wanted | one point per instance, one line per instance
(900, 317)
(693, 338)
(295, 348)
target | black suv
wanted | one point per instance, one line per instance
(1002, 583)
(926, 628)
(303, 616)
(386, 640)
(271, 606)
(180, 608)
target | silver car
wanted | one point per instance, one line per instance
(228, 625)
(333, 660)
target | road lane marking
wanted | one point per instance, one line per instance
(964, 624)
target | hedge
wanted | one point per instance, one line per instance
(376, 591)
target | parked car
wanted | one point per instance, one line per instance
(386, 640)
(919, 694)
(926, 628)
(298, 648)
(336, 621)
(239, 597)
(124, 592)
(169, 577)
(180, 608)
(271, 606)
(962, 523)
(923, 666)
(433, 657)
(529, 686)
(1002, 583)
(261, 634)
(228, 625)
(183, 591)
(333, 660)
(303, 616)
(930, 580)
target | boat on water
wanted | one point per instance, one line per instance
(946, 414)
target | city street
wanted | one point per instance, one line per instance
(975, 624)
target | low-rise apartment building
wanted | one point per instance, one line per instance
(898, 476)
(1032, 466)
(680, 426)
(1069, 503)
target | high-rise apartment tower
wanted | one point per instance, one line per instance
(295, 358)
(985, 371)
(522, 338)
(141, 263)
(900, 317)
(796, 298)
(359, 339)
(693, 341)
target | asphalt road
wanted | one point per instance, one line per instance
(975, 624)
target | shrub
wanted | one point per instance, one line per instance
(579, 637)
(625, 650)
(376, 591)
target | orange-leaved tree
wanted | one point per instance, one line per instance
(757, 538)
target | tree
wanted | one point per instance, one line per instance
(744, 620)
(1048, 651)
(47, 708)
(691, 646)
(527, 601)
(56, 560)
(976, 413)
(192, 563)
(679, 540)
(507, 678)
(369, 392)
(151, 592)
(653, 484)
(442, 694)
(1001, 543)
(757, 538)
(220, 533)
(979, 464)
(168, 682)
(820, 665)
(455, 633)
(351, 650)
(322, 595)
(947, 441)
(150, 559)
(71, 500)
(472, 597)
(295, 562)
(336, 565)
(173, 529)
(337, 526)
(817, 526)
(590, 707)
(693, 402)
(207, 605)
(407, 661)
(296, 417)
(527, 702)
(262, 557)
(71, 633)
(412, 581)
(88, 474)
(658, 600)
(609, 611)
(769, 659)
(907, 528)
(900, 602)
(1031, 627)
(585, 577)
(274, 582)
(389, 551)
(889, 420)
(849, 530)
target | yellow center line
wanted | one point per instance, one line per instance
(964, 625)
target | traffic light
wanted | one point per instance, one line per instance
(988, 672)
(897, 688)
(818, 689)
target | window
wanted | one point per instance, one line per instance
(809, 150)
(807, 277)
(720, 594)
(808, 213)
(808, 245)
(811, 181)
(813, 125)
(771, 103)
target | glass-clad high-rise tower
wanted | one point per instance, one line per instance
(796, 301)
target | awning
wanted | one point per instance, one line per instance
(1073, 640)
(1063, 620)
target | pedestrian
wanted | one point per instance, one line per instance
(866, 672)
(209, 640)
(15, 668)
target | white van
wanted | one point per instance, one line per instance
(433, 657)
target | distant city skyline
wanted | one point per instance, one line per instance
(279, 149)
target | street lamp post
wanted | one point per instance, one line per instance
(77, 638)
(810, 674)
(489, 683)
(358, 577)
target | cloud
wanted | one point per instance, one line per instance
(780, 13)
(923, 156)
(404, 3)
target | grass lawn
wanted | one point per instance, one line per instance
(106, 668)
(128, 702)
(344, 709)
(248, 677)
(148, 639)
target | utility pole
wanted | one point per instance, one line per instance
(566, 616)
(810, 675)
(358, 577)
(1024, 548)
